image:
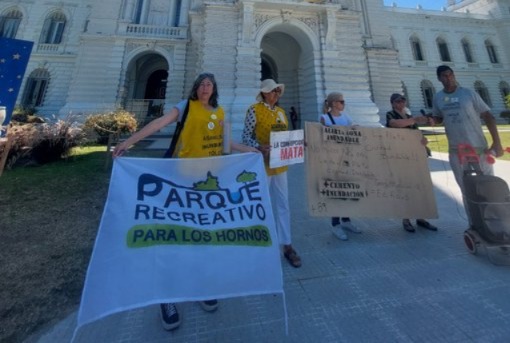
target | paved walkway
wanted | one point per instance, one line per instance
(384, 285)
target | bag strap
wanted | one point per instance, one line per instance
(171, 149)
(331, 118)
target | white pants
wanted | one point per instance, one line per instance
(279, 192)
(458, 171)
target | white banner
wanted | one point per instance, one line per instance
(287, 147)
(177, 230)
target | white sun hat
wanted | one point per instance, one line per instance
(267, 86)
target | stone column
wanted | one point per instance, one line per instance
(129, 6)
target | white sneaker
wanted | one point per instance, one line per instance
(340, 233)
(350, 227)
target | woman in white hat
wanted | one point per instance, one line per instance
(261, 119)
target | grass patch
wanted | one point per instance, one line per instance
(439, 143)
(49, 220)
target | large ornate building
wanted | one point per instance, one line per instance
(96, 55)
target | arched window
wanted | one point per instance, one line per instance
(35, 88)
(442, 47)
(491, 50)
(9, 23)
(427, 91)
(416, 48)
(483, 92)
(466, 47)
(53, 28)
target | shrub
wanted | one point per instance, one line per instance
(43, 142)
(22, 114)
(117, 122)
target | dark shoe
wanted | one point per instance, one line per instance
(425, 224)
(169, 316)
(292, 256)
(335, 221)
(408, 226)
(209, 305)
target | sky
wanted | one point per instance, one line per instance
(425, 4)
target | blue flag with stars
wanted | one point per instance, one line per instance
(14, 56)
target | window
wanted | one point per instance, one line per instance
(138, 12)
(466, 47)
(53, 29)
(9, 23)
(491, 50)
(444, 53)
(178, 6)
(483, 92)
(416, 48)
(35, 88)
(427, 90)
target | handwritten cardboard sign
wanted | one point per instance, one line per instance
(367, 172)
(287, 147)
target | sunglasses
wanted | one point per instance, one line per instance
(340, 101)
(276, 91)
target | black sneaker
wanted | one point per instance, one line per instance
(169, 316)
(406, 223)
(209, 305)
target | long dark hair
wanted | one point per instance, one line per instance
(213, 100)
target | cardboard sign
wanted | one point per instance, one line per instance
(287, 147)
(367, 172)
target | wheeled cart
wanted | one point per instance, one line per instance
(488, 201)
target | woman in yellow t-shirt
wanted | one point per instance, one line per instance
(201, 136)
(261, 119)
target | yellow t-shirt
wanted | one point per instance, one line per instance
(202, 134)
(269, 120)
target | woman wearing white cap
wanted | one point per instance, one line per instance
(261, 119)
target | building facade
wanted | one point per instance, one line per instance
(143, 55)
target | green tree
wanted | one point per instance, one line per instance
(210, 184)
(246, 177)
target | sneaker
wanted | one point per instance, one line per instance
(169, 316)
(348, 226)
(408, 226)
(425, 224)
(335, 221)
(209, 305)
(340, 233)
